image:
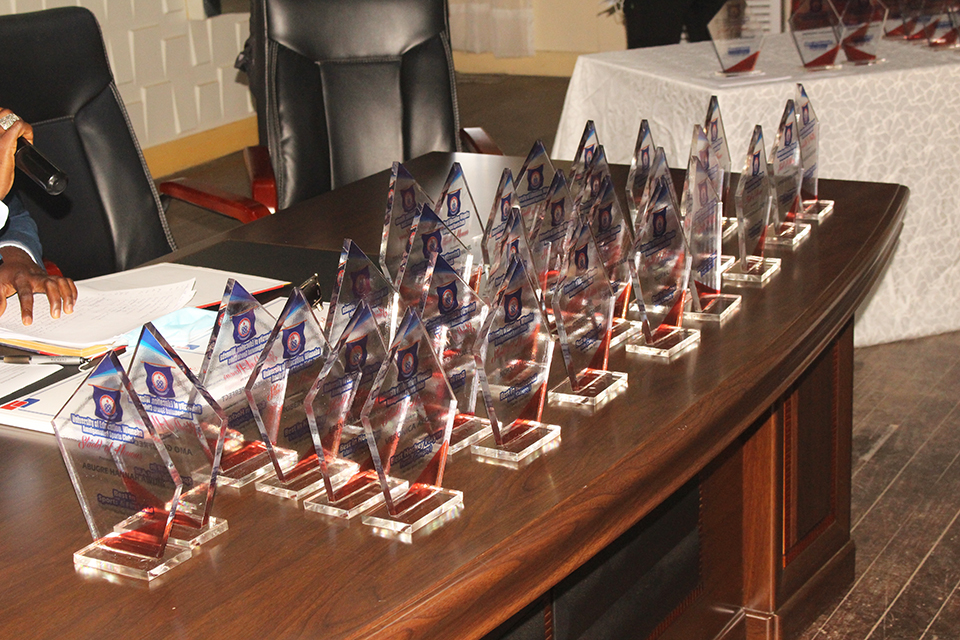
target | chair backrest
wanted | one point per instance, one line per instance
(57, 78)
(346, 87)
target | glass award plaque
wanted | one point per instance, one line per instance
(596, 172)
(787, 173)
(333, 406)
(127, 484)
(898, 25)
(920, 19)
(359, 279)
(943, 32)
(453, 316)
(513, 359)
(533, 183)
(405, 199)
(407, 419)
(286, 369)
(460, 215)
(737, 38)
(513, 242)
(861, 26)
(809, 128)
(815, 27)
(583, 307)
(660, 271)
(639, 175)
(190, 425)
(614, 241)
(504, 202)
(429, 239)
(239, 335)
(702, 227)
(753, 199)
(717, 138)
(548, 239)
(583, 160)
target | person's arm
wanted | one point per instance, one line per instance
(21, 271)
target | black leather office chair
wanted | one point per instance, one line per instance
(346, 87)
(56, 77)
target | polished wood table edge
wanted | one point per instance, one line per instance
(626, 476)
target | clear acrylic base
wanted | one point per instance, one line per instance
(467, 429)
(251, 463)
(186, 531)
(418, 508)
(726, 262)
(668, 343)
(758, 272)
(360, 493)
(728, 226)
(714, 307)
(521, 439)
(597, 388)
(622, 330)
(790, 236)
(101, 557)
(815, 210)
(308, 482)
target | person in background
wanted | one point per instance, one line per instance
(21, 269)
(652, 23)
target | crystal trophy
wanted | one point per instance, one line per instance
(513, 358)
(453, 316)
(943, 32)
(597, 171)
(737, 38)
(459, 213)
(921, 21)
(533, 183)
(898, 24)
(359, 279)
(548, 239)
(614, 240)
(815, 27)
(583, 160)
(122, 474)
(239, 335)
(286, 369)
(809, 128)
(701, 150)
(753, 199)
(190, 425)
(405, 199)
(660, 271)
(407, 419)
(504, 202)
(428, 240)
(333, 406)
(787, 173)
(583, 307)
(639, 175)
(861, 29)
(659, 171)
(717, 138)
(513, 242)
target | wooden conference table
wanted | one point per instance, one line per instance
(734, 459)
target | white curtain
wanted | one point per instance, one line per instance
(504, 27)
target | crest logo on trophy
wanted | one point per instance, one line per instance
(243, 327)
(106, 404)
(159, 380)
(360, 282)
(447, 297)
(408, 198)
(511, 305)
(453, 204)
(535, 178)
(293, 340)
(356, 354)
(407, 362)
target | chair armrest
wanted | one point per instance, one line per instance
(203, 195)
(263, 182)
(476, 140)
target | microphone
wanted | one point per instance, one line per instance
(42, 171)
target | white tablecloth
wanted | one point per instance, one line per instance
(897, 121)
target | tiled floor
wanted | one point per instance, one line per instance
(906, 453)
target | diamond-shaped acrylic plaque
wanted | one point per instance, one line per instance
(430, 239)
(548, 239)
(639, 175)
(583, 307)
(239, 335)
(533, 183)
(504, 202)
(514, 359)
(815, 27)
(921, 18)
(717, 137)
(453, 316)
(702, 226)
(190, 425)
(943, 31)
(737, 38)
(661, 271)
(459, 213)
(407, 418)
(289, 364)
(861, 26)
(359, 279)
(754, 200)
(593, 181)
(787, 172)
(405, 199)
(352, 368)
(809, 127)
(127, 484)
(583, 160)
(513, 242)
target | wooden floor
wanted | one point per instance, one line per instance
(906, 496)
(906, 449)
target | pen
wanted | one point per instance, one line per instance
(39, 359)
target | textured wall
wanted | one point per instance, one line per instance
(175, 74)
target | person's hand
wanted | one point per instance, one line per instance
(8, 147)
(20, 275)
